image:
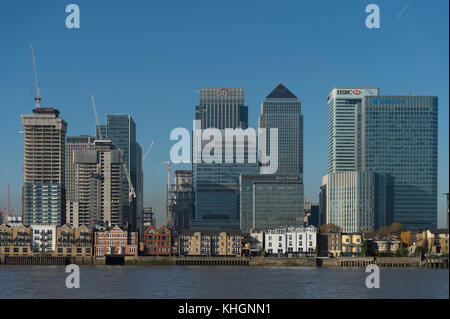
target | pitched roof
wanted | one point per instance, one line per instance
(281, 92)
(190, 232)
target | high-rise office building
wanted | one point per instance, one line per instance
(399, 138)
(44, 189)
(222, 108)
(121, 130)
(344, 114)
(270, 201)
(216, 185)
(358, 201)
(74, 143)
(394, 136)
(99, 186)
(276, 200)
(282, 110)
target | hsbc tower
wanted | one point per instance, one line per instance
(344, 116)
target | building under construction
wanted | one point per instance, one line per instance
(44, 167)
(180, 200)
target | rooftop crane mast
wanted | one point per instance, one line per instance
(38, 97)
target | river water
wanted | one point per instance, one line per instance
(220, 282)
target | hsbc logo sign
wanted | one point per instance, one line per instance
(348, 92)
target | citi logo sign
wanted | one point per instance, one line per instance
(348, 92)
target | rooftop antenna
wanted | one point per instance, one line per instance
(38, 97)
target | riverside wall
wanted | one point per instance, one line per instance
(397, 262)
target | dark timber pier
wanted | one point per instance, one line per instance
(211, 262)
(36, 260)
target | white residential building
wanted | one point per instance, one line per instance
(43, 238)
(291, 240)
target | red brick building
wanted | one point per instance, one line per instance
(115, 241)
(157, 242)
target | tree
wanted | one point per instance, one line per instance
(419, 251)
(395, 228)
(406, 238)
(329, 228)
(382, 231)
(401, 252)
(369, 248)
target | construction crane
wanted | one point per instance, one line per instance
(7, 211)
(148, 151)
(96, 116)
(132, 193)
(38, 97)
(168, 217)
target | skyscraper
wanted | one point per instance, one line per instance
(222, 108)
(44, 190)
(216, 185)
(276, 200)
(282, 110)
(99, 185)
(121, 130)
(75, 143)
(399, 138)
(344, 114)
(395, 136)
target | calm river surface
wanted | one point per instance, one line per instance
(220, 282)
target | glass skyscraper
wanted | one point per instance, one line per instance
(282, 110)
(216, 185)
(399, 138)
(121, 130)
(276, 200)
(344, 112)
(222, 108)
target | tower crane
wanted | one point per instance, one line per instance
(132, 193)
(148, 151)
(38, 97)
(7, 211)
(96, 116)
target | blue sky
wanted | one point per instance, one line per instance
(149, 58)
